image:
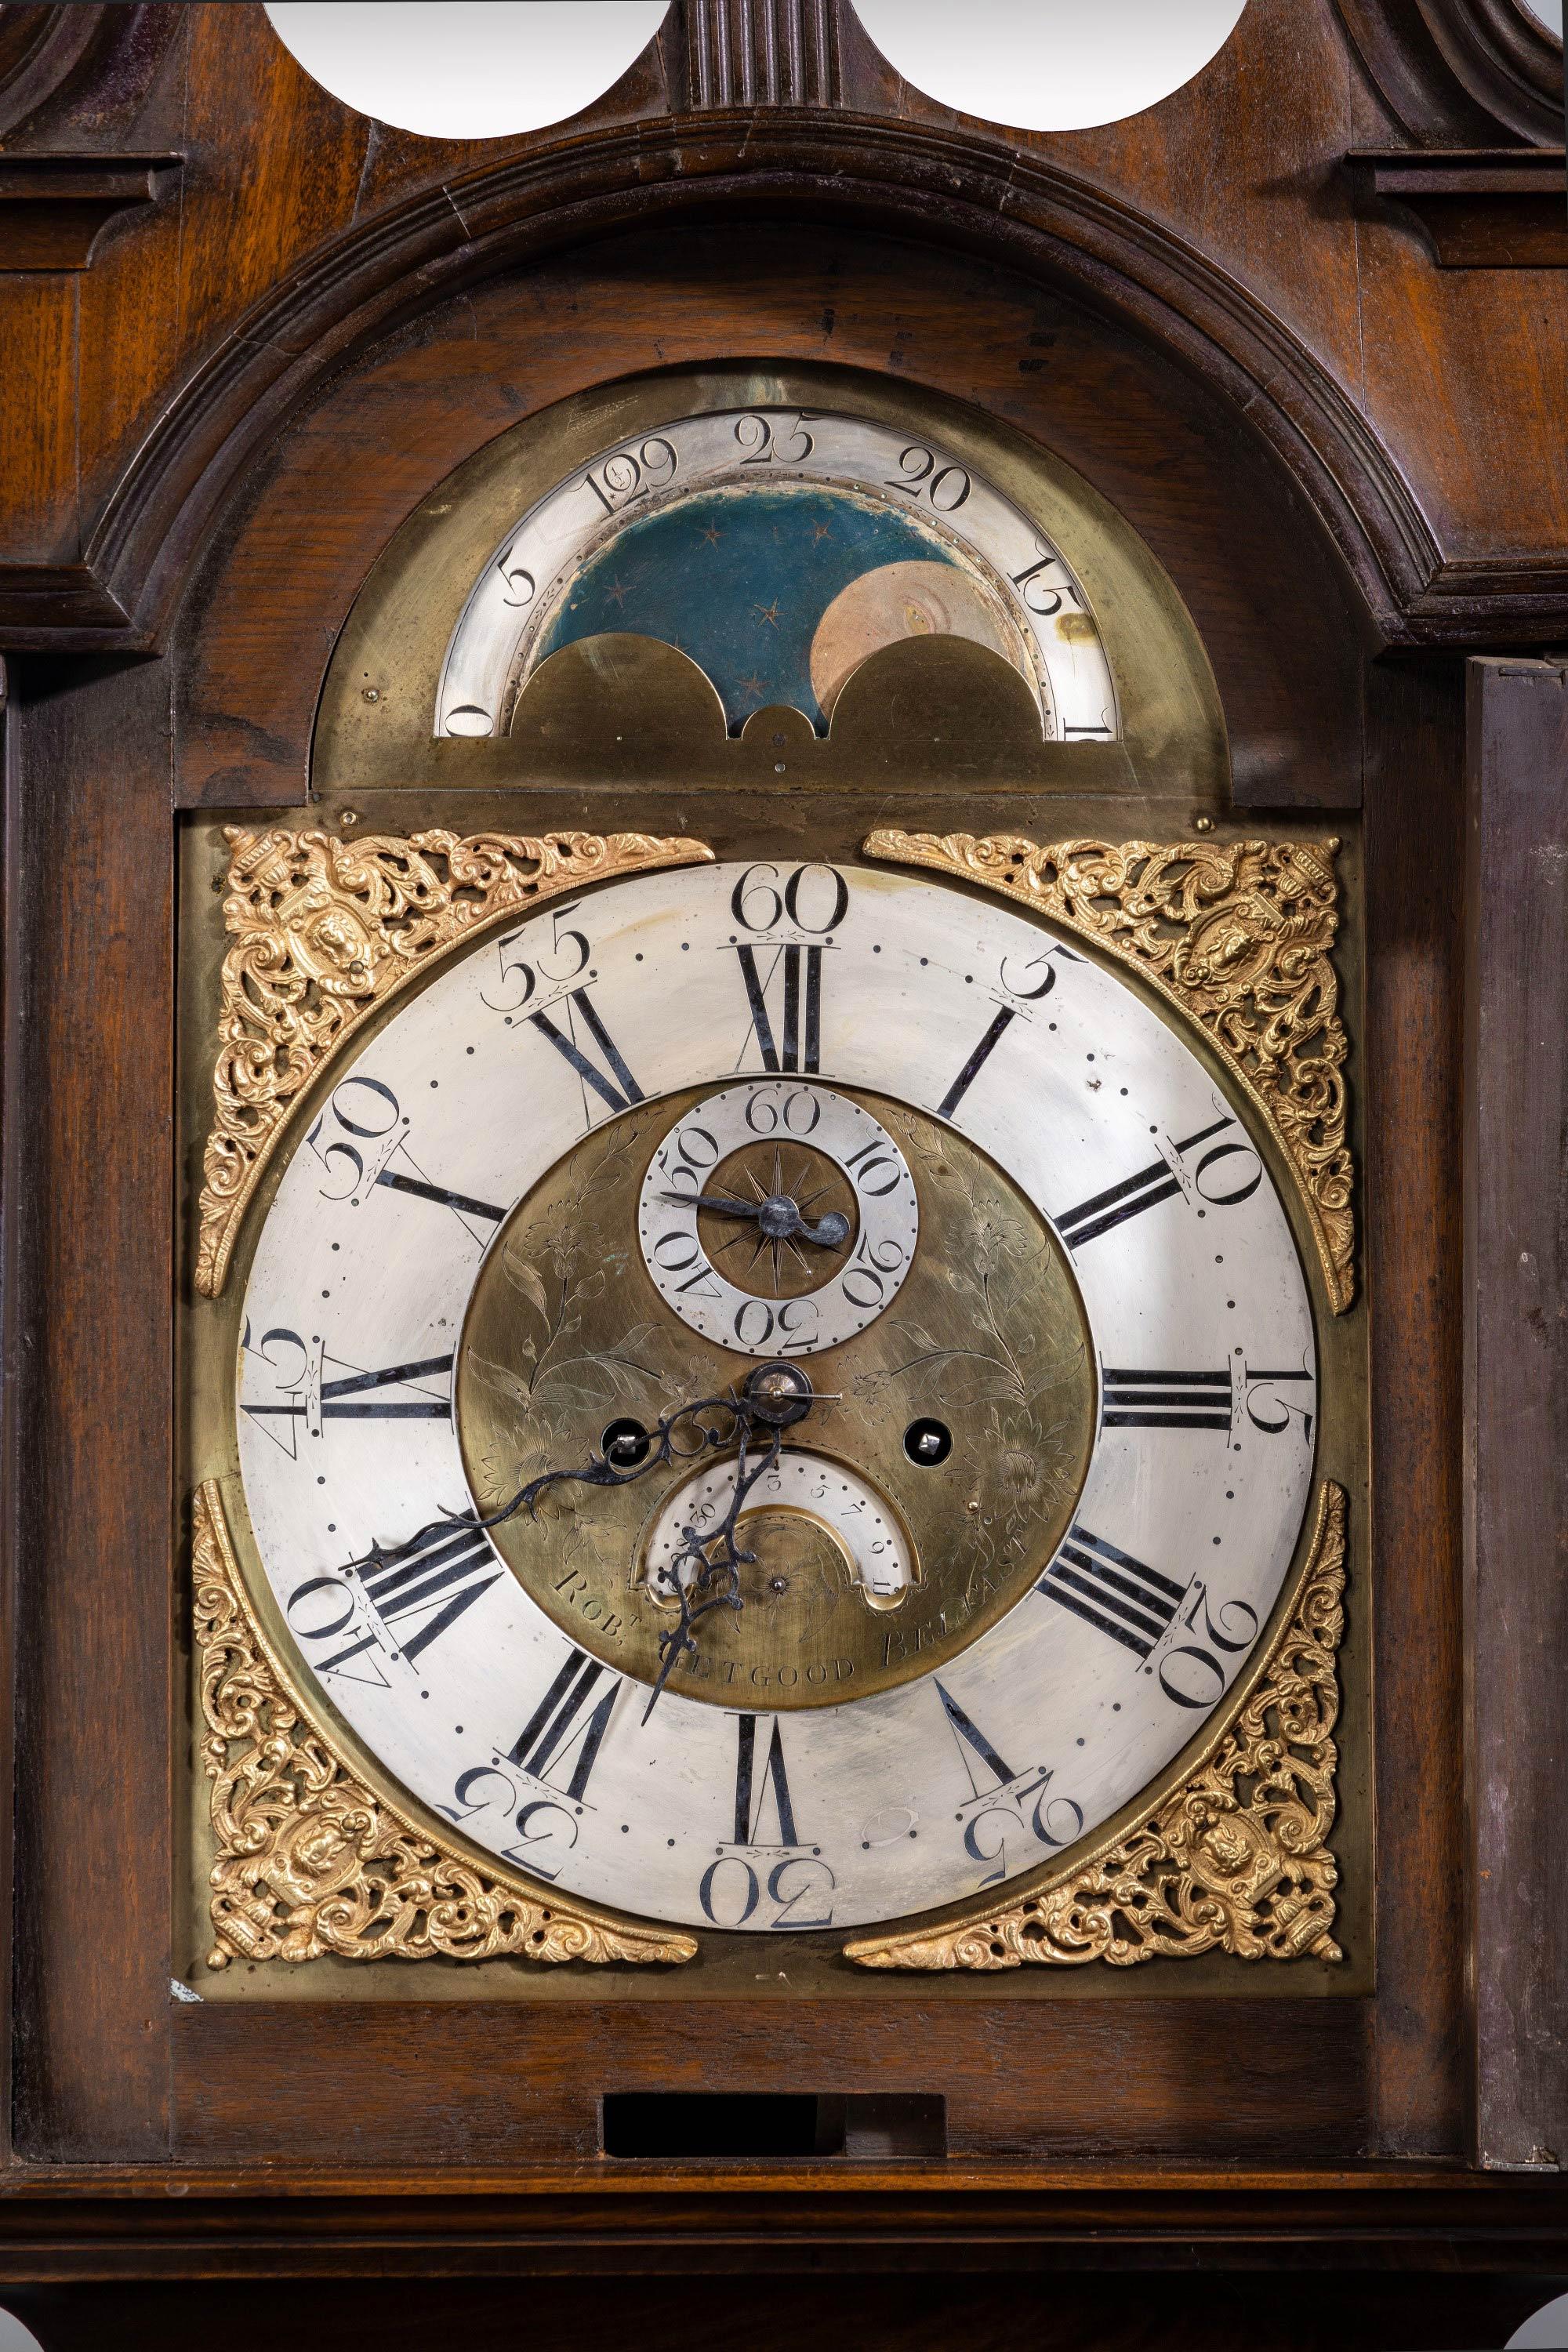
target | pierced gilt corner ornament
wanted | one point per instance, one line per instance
(1236, 1862)
(1239, 934)
(325, 931)
(310, 1861)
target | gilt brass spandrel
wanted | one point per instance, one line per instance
(1240, 935)
(1236, 1859)
(326, 929)
(566, 1333)
(311, 1858)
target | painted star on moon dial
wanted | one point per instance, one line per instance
(779, 550)
(1085, 1413)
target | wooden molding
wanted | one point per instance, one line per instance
(1477, 207)
(54, 208)
(960, 186)
(1459, 71)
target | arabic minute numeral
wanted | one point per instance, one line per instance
(1270, 1412)
(517, 979)
(1218, 1185)
(760, 902)
(617, 1089)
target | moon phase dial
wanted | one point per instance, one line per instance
(875, 1559)
(778, 1218)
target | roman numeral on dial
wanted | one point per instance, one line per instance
(1103, 1212)
(977, 1063)
(1109, 1590)
(752, 1802)
(423, 1189)
(796, 1046)
(967, 1734)
(1166, 1400)
(565, 1727)
(619, 1089)
(456, 1562)
(351, 1397)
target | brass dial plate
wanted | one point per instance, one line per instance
(565, 1333)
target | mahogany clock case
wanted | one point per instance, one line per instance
(1302, 2088)
(270, 643)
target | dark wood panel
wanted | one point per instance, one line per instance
(37, 434)
(420, 2084)
(775, 2311)
(1408, 1069)
(89, 1171)
(1516, 1398)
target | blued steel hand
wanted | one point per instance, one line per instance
(770, 1399)
(779, 1217)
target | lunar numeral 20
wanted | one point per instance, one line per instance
(918, 474)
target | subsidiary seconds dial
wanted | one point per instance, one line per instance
(778, 1218)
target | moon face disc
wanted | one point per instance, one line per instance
(831, 1231)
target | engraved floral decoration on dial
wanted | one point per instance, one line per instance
(489, 1456)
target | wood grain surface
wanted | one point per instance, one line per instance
(1351, 465)
(1516, 1398)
